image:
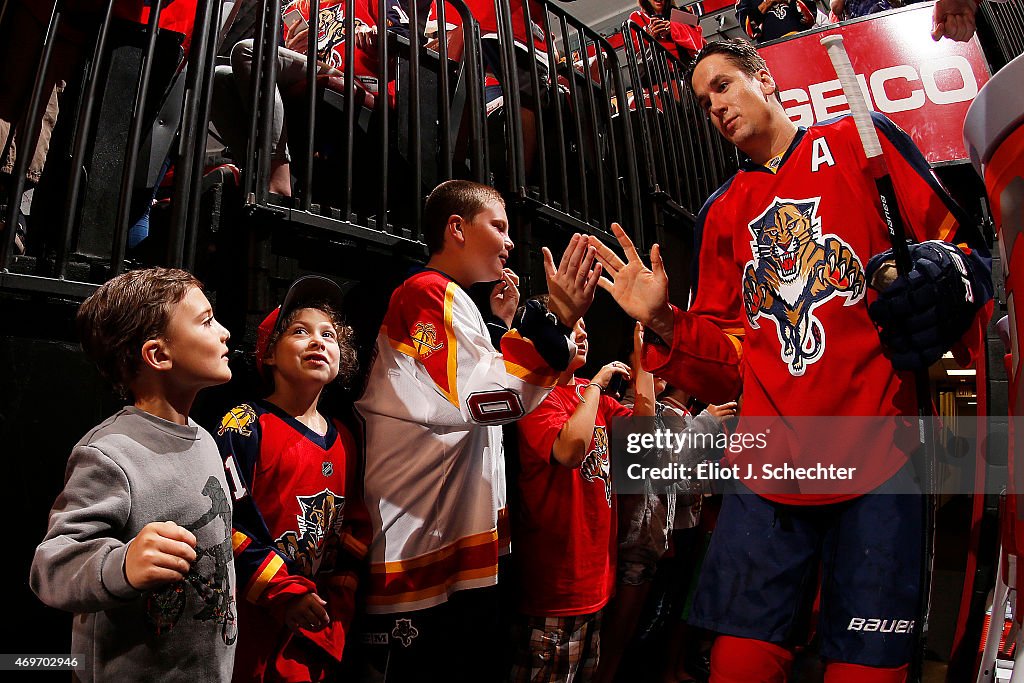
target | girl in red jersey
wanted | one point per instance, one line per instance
(300, 527)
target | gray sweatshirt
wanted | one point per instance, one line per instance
(133, 469)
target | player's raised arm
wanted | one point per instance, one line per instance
(640, 291)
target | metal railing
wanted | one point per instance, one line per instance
(684, 160)
(1005, 24)
(61, 243)
(584, 171)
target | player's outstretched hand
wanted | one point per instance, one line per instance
(571, 286)
(505, 297)
(161, 553)
(640, 291)
(306, 612)
(954, 19)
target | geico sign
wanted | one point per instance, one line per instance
(825, 100)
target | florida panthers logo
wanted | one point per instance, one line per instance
(424, 339)
(404, 631)
(795, 269)
(331, 34)
(238, 420)
(319, 522)
(595, 466)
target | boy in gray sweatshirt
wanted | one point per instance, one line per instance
(139, 541)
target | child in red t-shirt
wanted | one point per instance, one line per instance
(565, 532)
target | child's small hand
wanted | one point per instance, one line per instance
(306, 612)
(161, 553)
(724, 411)
(572, 284)
(605, 374)
(505, 297)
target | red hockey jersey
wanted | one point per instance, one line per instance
(781, 305)
(299, 526)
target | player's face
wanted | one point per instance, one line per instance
(737, 103)
(487, 244)
(196, 343)
(307, 351)
(582, 345)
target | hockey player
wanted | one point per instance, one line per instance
(784, 250)
(300, 527)
(436, 396)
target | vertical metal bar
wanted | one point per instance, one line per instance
(269, 87)
(665, 95)
(81, 139)
(350, 107)
(510, 92)
(415, 42)
(311, 92)
(198, 160)
(131, 150)
(627, 135)
(658, 145)
(556, 94)
(592, 107)
(477, 119)
(30, 125)
(445, 94)
(535, 88)
(638, 100)
(577, 122)
(251, 164)
(180, 201)
(609, 121)
(382, 113)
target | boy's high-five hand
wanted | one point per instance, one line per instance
(572, 285)
(640, 291)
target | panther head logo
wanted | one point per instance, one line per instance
(795, 269)
(320, 515)
(595, 466)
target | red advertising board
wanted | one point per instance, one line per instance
(923, 86)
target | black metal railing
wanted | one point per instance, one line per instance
(683, 159)
(583, 172)
(1005, 25)
(86, 243)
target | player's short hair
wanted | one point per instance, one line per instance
(741, 53)
(126, 312)
(347, 360)
(454, 197)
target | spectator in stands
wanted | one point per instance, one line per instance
(765, 20)
(437, 393)
(300, 529)
(851, 9)
(233, 83)
(682, 38)
(531, 103)
(565, 528)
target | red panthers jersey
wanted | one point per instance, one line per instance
(330, 37)
(299, 526)
(565, 530)
(780, 306)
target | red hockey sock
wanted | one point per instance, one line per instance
(844, 672)
(745, 660)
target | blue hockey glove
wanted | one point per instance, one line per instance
(921, 315)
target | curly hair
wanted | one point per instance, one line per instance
(348, 362)
(126, 312)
